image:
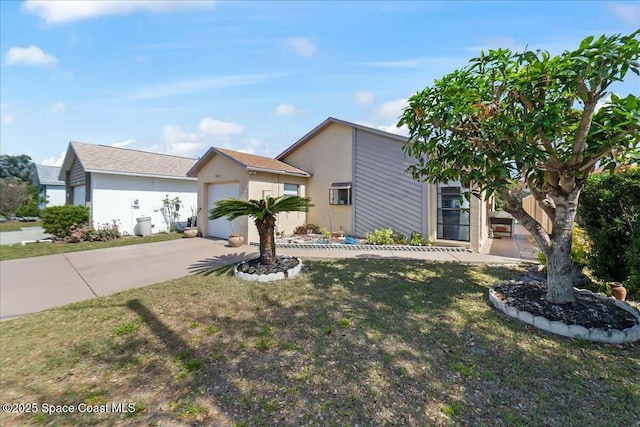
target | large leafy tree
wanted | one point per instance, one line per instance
(545, 121)
(264, 214)
(13, 195)
(19, 168)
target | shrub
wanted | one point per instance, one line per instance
(580, 248)
(306, 229)
(28, 210)
(609, 211)
(57, 220)
(87, 233)
(417, 240)
(380, 236)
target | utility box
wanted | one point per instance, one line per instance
(143, 226)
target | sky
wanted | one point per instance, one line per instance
(180, 77)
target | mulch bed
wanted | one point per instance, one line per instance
(588, 310)
(282, 264)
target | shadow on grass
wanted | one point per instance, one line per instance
(355, 341)
(220, 265)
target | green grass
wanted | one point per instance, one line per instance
(17, 225)
(368, 342)
(8, 252)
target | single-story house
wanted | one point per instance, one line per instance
(51, 189)
(355, 175)
(123, 185)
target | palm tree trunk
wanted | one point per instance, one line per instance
(266, 228)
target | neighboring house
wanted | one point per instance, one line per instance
(355, 177)
(51, 189)
(123, 185)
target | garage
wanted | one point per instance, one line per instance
(220, 227)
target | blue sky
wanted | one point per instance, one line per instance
(179, 77)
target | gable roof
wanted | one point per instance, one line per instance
(328, 122)
(250, 162)
(48, 175)
(124, 161)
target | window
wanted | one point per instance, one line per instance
(291, 189)
(340, 193)
(453, 214)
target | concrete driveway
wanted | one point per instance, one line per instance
(30, 285)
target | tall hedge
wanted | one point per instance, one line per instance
(609, 210)
(58, 220)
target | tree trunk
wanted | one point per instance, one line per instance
(266, 228)
(559, 266)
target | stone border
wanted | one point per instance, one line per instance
(611, 336)
(342, 246)
(292, 272)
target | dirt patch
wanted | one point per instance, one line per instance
(282, 265)
(589, 311)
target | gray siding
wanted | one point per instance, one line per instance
(383, 195)
(77, 175)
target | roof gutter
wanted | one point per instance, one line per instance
(280, 172)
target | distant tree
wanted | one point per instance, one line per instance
(264, 214)
(533, 118)
(13, 195)
(20, 168)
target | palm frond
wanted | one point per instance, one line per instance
(235, 208)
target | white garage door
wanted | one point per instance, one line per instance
(79, 195)
(220, 227)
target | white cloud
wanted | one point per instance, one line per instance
(217, 128)
(193, 86)
(58, 107)
(124, 143)
(31, 55)
(392, 110)
(54, 161)
(8, 118)
(628, 13)
(287, 110)
(64, 11)
(402, 130)
(364, 98)
(302, 46)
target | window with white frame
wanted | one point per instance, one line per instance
(291, 189)
(340, 193)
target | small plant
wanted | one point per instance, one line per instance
(326, 234)
(170, 211)
(380, 236)
(399, 238)
(187, 364)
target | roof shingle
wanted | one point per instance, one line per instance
(250, 162)
(102, 158)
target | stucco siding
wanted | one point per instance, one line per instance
(383, 195)
(114, 198)
(219, 171)
(328, 157)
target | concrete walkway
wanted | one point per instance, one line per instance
(31, 285)
(27, 233)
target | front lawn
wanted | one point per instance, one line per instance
(348, 342)
(18, 225)
(40, 249)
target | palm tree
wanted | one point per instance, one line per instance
(264, 214)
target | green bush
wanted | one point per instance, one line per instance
(580, 248)
(380, 236)
(609, 211)
(58, 220)
(28, 210)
